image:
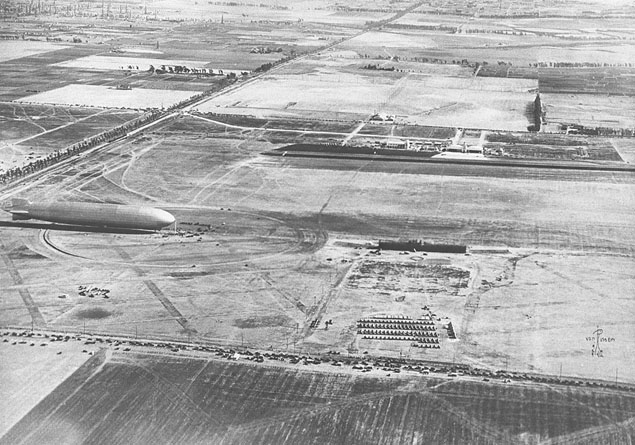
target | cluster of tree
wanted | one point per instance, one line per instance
(276, 22)
(444, 28)
(265, 50)
(537, 113)
(267, 66)
(264, 67)
(580, 65)
(181, 69)
(514, 15)
(588, 37)
(255, 5)
(462, 62)
(493, 31)
(377, 67)
(360, 9)
(602, 131)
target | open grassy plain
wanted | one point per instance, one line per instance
(109, 97)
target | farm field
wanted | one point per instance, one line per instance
(29, 131)
(613, 81)
(420, 99)
(102, 120)
(24, 76)
(21, 121)
(98, 62)
(590, 111)
(109, 97)
(319, 13)
(10, 50)
(192, 399)
(485, 47)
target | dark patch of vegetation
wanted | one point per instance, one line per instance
(93, 313)
(264, 321)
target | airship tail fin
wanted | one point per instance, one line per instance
(20, 203)
(20, 208)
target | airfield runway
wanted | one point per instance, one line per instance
(267, 247)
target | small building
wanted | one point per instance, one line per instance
(396, 144)
(477, 149)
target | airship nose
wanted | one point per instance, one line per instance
(164, 217)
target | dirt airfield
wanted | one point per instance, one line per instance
(268, 314)
(267, 250)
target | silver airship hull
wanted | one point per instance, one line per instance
(92, 214)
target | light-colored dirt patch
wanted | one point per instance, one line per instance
(417, 98)
(128, 63)
(316, 12)
(109, 97)
(30, 373)
(625, 148)
(307, 94)
(15, 49)
(545, 311)
(393, 40)
(131, 49)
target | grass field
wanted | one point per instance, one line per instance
(109, 97)
(106, 63)
(615, 81)
(15, 49)
(191, 400)
(282, 11)
(433, 100)
(590, 111)
(29, 130)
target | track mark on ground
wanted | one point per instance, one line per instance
(158, 293)
(265, 277)
(336, 290)
(34, 311)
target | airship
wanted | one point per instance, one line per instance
(92, 214)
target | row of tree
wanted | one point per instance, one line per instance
(580, 65)
(182, 69)
(602, 131)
